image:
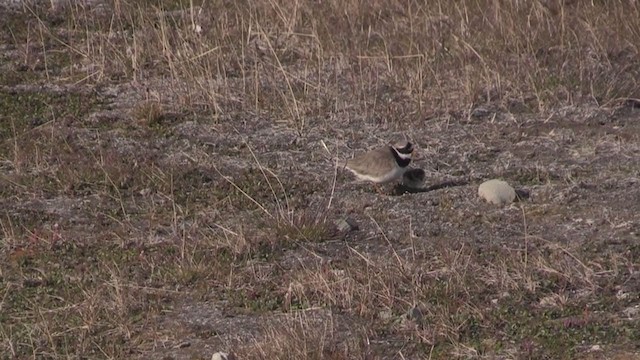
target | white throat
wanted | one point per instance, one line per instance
(401, 155)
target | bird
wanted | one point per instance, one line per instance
(383, 164)
(413, 178)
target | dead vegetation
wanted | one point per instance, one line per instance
(170, 183)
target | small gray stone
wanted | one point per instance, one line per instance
(182, 345)
(346, 225)
(497, 192)
(414, 314)
(480, 111)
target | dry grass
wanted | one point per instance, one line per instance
(153, 159)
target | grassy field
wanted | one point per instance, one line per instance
(171, 179)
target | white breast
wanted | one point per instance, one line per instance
(388, 177)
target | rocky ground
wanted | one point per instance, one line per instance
(171, 180)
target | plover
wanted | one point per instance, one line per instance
(383, 164)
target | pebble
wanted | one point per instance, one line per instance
(497, 192)
(346, 225)
(222, 356)
(632, 312)
(385, 314)
(414, 314)
(480, 112)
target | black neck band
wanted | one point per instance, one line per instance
(400, 161)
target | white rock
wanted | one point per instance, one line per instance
(631, 312)
(596, 348)
(385, 314)
(222, 356)
(497, 192)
